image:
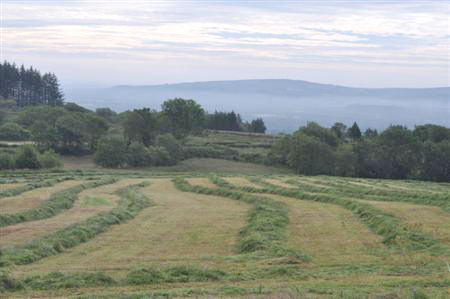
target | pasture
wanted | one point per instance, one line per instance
(192, 231)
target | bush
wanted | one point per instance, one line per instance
(27, 157)
(111, 152)
(172, 146)
(310, 156)
(6, 161)
(159, 156)
(49, 159)
(13, 132)
(138, 155)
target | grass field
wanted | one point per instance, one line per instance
(245, 231)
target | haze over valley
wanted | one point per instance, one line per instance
(284, 104)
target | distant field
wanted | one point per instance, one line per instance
(185, 233)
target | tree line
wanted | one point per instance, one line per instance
(230, 121)
(395, 153)
(27, 87)
(142, 137)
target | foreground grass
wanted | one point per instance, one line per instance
(240, 237)
(179, 229)
(129, 206)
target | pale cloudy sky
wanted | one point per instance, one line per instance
(354, 43)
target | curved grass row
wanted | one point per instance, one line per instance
(130, 204)
(267, 228)
(442, 201)
(394, 233)
(31, 186)
(57, 203)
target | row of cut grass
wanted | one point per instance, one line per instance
(57, 203)
(34, 185)
(140, 276)
(267, 227)
(371, 194)
(394, 233)
(417, 197)
(130, 204)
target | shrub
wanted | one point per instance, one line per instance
(138, 155)
(310, 156)
(27, 157)
(111, 152)
(13, 132)
(159, 156)
(49, 159)
(6, 161)
(172, 146)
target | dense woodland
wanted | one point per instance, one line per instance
(27, 87)
(146, 137)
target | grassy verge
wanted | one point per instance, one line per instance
(267, 227)
(394, 233)
(130, 204)
(57, 203)
(31, 186)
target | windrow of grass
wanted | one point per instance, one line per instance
(34, 185)
(392, 230)
(421, 198)
(129, 206)
(57, 203)
(267, 228)
(141, 276)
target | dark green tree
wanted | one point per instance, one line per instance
(257, 126)
(339, 129)
(141, 125)
(436, 163)
(323, 134)
(371, 133)
(354, 132)
(96, 127)
(27, 157)
(111, 152)
(433, 133)
(309, 156)
(71, 133)
(400, 152)
(185, 116)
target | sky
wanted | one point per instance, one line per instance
(353, 43)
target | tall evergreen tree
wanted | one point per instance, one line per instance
(354, 132)
(27, 87)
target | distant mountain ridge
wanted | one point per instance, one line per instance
(286, 104)
(288, 87)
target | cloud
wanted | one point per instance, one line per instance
(413, 34)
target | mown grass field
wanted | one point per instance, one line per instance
(212, 228)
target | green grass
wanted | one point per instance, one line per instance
(57, 203)
(33, 185)
(393, 231)
(267, 222)
(262, 261)
(130, 205)
(92, 201)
